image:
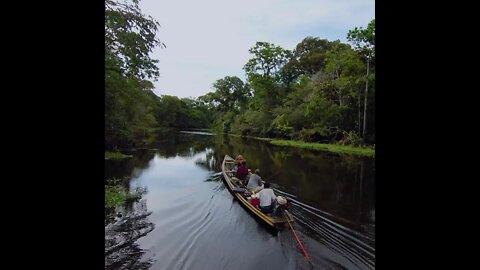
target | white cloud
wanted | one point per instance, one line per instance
(208, 40)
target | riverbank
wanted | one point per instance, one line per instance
(198, 129)
(335, 148)
(116, 155)
(117, 194)
(251, 137)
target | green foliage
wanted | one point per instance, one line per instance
(133, 113)
(266, 94)
(264, 76)
(312, 94)
(310, 55)
(252, 123)
(173, 112)
(128, 111)
(282, 126)
(130, 37)
(115, 196)
(344, 149)
(223, 123)
(341, 60)
(268, 59)
(364, 39)
(350, 138)
(230, 94)
(364, 42)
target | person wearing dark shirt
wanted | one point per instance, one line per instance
(242, 171)
(238, 161)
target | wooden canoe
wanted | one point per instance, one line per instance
(233, 186)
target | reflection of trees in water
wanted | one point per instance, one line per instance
(328, 181)
(209, 161)
(131, 223)
(121, 251)
(340, 184)
(126, 168)
(183, 145)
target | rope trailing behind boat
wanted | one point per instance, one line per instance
(296, 238)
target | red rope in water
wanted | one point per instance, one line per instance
(298, 241)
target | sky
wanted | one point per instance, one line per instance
(207, 40)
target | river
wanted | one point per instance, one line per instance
(187, 219)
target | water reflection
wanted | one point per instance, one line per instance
(129, 167)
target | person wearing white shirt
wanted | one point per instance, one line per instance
(267, 199)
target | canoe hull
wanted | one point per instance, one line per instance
(276, 222)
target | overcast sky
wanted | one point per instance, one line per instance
(209, 39)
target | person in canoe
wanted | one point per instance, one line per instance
(267, 198)
(242, 171)
(238, 161)
(255, 182)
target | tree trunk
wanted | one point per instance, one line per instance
(359, 111)
(365, 104)
(338, 90)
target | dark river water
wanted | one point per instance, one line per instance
(187, 219)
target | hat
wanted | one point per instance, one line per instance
(281, 200)
(257, 171)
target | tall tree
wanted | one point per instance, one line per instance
(364, 41)
(263, 74)
(231, 93)
(130, 37)
(268, 59)
(310, 54)
(347, 67)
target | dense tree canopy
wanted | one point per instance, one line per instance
(314, 93)
(322, 91)
(129, 39)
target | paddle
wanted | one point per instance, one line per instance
(296, 237)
